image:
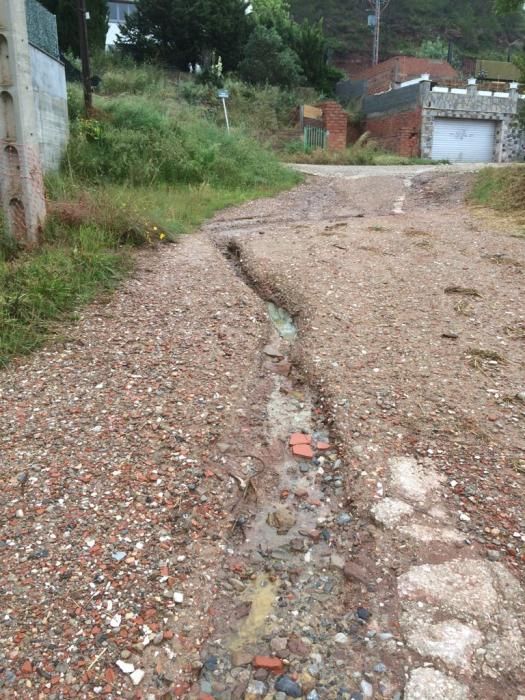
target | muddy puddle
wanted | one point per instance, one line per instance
(288, 527)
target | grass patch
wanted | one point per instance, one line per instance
(505, 260)
(463, 308)
(358, 154)
(72, 266)
(516, 332)
(479, 358)
(415, 233)
(502, 189)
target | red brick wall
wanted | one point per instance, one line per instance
(399, 132)
(400, 68)
(352, 133)
(335, 121)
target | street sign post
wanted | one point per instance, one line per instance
(223, 95)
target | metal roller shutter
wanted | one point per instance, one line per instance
(464, 140)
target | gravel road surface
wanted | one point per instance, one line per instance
(205, 495)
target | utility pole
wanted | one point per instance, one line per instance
(84, 55)
(22, 188)
(378, 6)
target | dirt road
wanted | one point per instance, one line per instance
(206, 496)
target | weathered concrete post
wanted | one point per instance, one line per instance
(21, 184)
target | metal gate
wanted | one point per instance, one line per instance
(463, 140)
(315, 137)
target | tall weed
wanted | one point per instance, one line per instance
(143, 142)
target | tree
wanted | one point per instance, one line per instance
(272, 13)
(310, 44)
(306, 40)
(508, 6)
(179, 32)
(67, 23)
(267, 59)
(433, 48)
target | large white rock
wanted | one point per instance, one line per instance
(430, 684)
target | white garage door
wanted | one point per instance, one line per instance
(463, 140)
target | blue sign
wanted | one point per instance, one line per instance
(223, 94)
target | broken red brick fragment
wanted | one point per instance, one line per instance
(300, 439)
(269, 663)
(303, 451)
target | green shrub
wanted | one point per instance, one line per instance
(140, 142)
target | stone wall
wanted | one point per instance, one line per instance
(50, 96)
(471, 103)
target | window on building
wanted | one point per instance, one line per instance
(119, 10)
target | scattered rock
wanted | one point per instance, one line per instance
(363, 614)
(390, 511)
(494, 554)
(353, 572)
(341, 638)
(125, 667)
(278, 644)
(337, 561)
(367, 689)
(286, 685)
(256, 689)
(241, 658)
(429, 684)
(281, 519)
(137, 676)
(343, 519)
(272, 351)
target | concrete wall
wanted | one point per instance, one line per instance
(50, 95)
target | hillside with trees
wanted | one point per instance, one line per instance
(472, 25)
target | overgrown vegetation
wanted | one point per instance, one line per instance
(144, 169)
(358, 154)
(502, 189)
(73, 265)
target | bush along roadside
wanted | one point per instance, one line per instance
(138, 173)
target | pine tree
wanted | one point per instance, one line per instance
(179, 32)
